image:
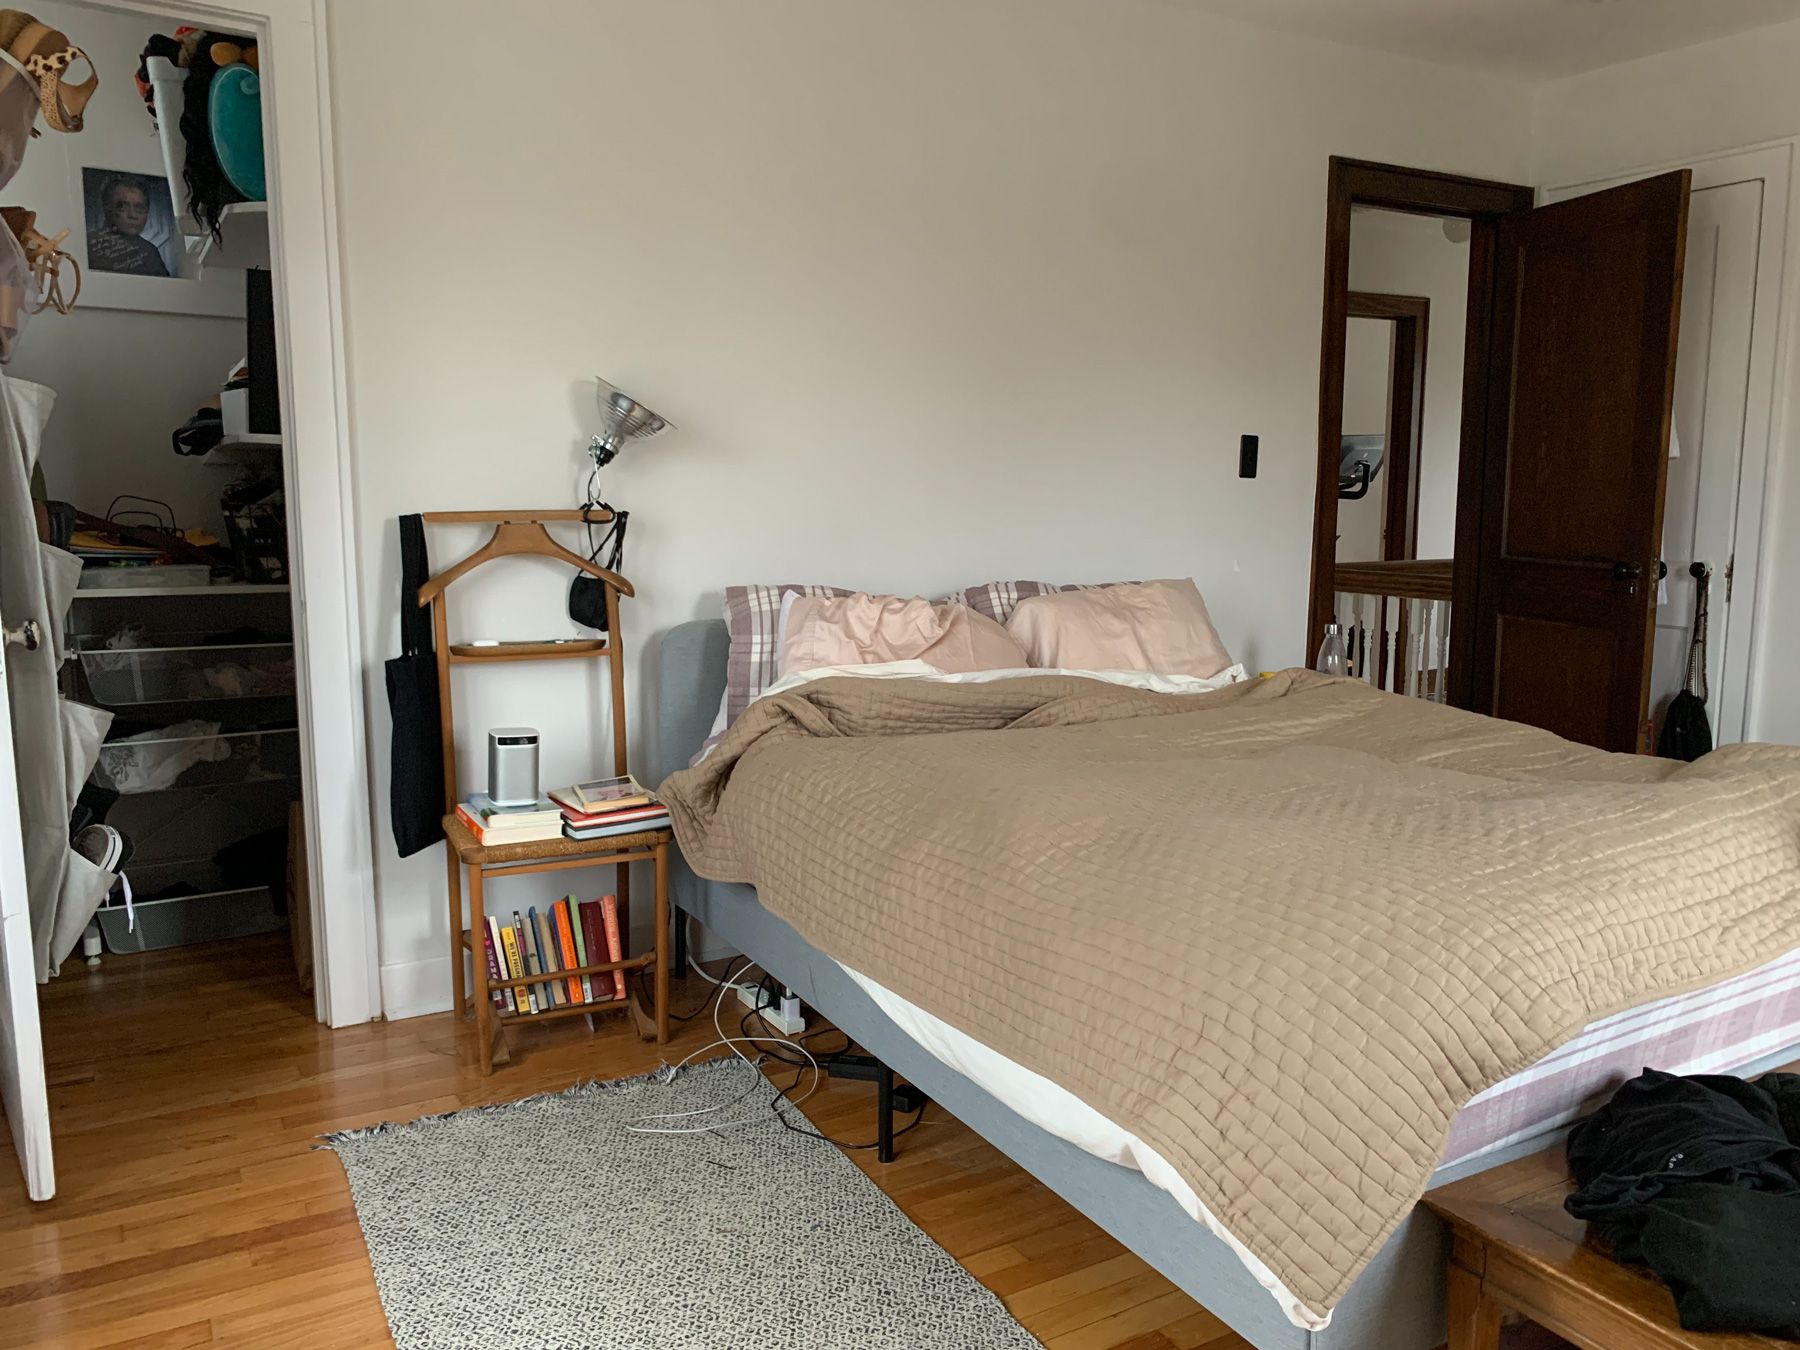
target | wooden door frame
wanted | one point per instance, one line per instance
(1405, 427)
(323, 555)
(1352, 183)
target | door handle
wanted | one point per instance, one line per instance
(27, 635)
(1627, 571)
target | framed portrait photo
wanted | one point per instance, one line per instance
(133, 254)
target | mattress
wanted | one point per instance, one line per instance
(1726, 1026)
(1718, 1029)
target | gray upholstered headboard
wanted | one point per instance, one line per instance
(690, 680)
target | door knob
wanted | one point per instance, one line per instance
(1627, 571)
(27, 635)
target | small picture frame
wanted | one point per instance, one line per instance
(133, 253)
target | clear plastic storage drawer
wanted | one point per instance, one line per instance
(197, 755)
(189, 674)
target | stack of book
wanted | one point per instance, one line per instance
(567, 936)
(493, 825)
(607, 807)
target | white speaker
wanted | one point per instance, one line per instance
(513, 766)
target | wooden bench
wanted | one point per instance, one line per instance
(1515, 1250)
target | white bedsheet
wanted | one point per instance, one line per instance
(1154, 681)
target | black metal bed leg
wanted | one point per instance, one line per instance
(884, 1113)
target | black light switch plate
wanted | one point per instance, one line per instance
(1247, 447)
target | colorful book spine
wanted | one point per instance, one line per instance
(565, 937)
(509, 942)
(594, 928)
(582, 953)
(490, 941)
(534, 964)
(659, 821)
(547, 949)
(583, 820)
(609, 915)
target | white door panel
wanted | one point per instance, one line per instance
(1712, 376)
(22, 1085)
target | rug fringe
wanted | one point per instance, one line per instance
(662, 1075)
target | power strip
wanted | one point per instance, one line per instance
(787, 1018)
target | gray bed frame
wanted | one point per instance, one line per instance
(1396, 1304)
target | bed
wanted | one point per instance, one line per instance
(1747, 1023)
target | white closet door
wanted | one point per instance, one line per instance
(1712, 374)
(22, 1085)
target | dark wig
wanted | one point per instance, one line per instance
(209, 191)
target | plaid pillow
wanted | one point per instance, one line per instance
(752, 617)
(998, 599)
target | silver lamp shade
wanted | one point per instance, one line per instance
(622, 419)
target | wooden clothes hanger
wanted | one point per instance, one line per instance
(515, 533)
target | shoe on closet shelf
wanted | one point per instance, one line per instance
(108, 850)
(42, 54)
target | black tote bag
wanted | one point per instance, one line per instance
(1686, 729)
(416, 762)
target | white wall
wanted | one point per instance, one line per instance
(1722, 95)
(124, 379)
(1398, 254)
(937, 292)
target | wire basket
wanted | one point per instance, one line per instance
(259, 539)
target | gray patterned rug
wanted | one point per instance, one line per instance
(543, 1223)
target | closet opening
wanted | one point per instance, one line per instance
(144, 362)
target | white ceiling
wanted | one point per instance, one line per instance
(1537, 38)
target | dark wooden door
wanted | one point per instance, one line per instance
(1588, 299)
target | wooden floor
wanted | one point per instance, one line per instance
(187, 1089)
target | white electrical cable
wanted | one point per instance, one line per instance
(700, 970)
(639, 1125)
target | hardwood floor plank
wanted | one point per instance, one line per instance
(175, 1338)
(1107, 1333)
(1200, 1330)
(1077, 1284)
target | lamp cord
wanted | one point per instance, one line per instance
(615, 532)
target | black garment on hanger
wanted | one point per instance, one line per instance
(587, 595)
(1698, 1178)
(416, 760)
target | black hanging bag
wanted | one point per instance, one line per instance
(416, 767)
(1686, 730)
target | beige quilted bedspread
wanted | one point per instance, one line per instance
(1281, 932)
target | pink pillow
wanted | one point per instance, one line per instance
(861, 630)
(1147, 625)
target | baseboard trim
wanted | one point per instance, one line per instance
(415, 988)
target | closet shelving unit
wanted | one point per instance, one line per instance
(206, 803)
(204, 674)
(244, 449)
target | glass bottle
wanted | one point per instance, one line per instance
(1331, 659)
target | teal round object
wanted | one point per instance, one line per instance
(234, 115)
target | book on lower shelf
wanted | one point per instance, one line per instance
(566, 937)
(554, 993)
(490, 937)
